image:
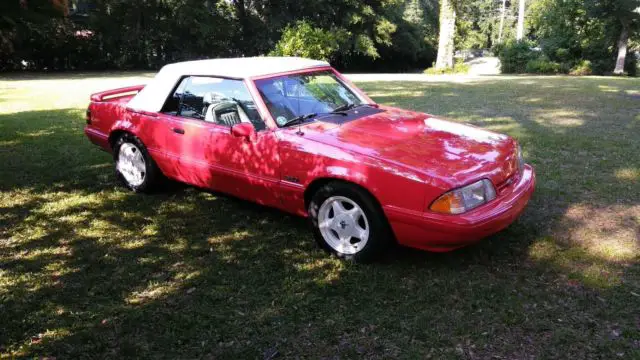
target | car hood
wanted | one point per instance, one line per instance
(452, 152)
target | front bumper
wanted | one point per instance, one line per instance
(440, 232)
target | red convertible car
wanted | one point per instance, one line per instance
(296, 135)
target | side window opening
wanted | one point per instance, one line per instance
(221, 101)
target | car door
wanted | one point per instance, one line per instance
(186, 142)
(198, 119)
(247, 167)
(184, 135)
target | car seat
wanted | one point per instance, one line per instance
(222, 110)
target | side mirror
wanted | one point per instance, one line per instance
(245, 130)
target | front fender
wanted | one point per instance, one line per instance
(304, 162)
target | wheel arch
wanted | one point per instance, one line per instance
(119, 128)
(318, 183)
(116, 134)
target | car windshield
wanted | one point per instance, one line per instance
(292, 96)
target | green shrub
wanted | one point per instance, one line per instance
(562, 54)
(583, 67)
(542, 65)
(307, 41)
(514, 56)
(458, 68)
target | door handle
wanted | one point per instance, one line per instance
(178, 131)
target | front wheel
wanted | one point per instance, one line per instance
(347, 222)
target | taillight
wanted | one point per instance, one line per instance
(88, 116)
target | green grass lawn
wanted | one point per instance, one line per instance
(88, 269)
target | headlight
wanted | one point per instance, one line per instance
(465, 198)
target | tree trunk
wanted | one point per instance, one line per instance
(502, 14)
(520, 33)
(622, 48)
(241, 13)
(447, 33)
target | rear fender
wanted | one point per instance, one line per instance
(121, 126)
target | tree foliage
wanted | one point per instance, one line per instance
(570, 31)
(307, 41)
(372, 35)
(102, 34)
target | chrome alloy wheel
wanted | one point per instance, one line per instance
(343, 225)
(131, 164)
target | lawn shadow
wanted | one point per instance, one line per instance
(94, 270)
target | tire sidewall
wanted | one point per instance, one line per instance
(379, 234)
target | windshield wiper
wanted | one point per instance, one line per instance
(349, 106)
(298, 119)
(344, 107)
(301, 118)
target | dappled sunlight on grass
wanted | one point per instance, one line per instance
(606, 88)
(158, 288)
(560, 119)
(87, 267)
(326, 271)
(593, 244)
(630, 174)
(578, 265)
(611, 233)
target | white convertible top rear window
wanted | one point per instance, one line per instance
(153, 96)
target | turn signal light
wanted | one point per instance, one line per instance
(449, 203)
(465, 198)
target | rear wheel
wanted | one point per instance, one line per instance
(348, 222)
(134, 167)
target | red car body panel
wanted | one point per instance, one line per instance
(405, 159)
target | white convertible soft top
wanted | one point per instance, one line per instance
(153, 96)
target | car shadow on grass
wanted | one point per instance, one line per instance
(90, 269)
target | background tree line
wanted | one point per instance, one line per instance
(372, 35)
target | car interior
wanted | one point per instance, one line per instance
(221, 110)
(219, 101)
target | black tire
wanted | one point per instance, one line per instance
(380, 234)
(153, 176)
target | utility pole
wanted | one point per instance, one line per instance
(520, 33)
(504, 7)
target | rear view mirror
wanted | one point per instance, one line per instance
(245, 130)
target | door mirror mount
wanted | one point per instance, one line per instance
(245, 130)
